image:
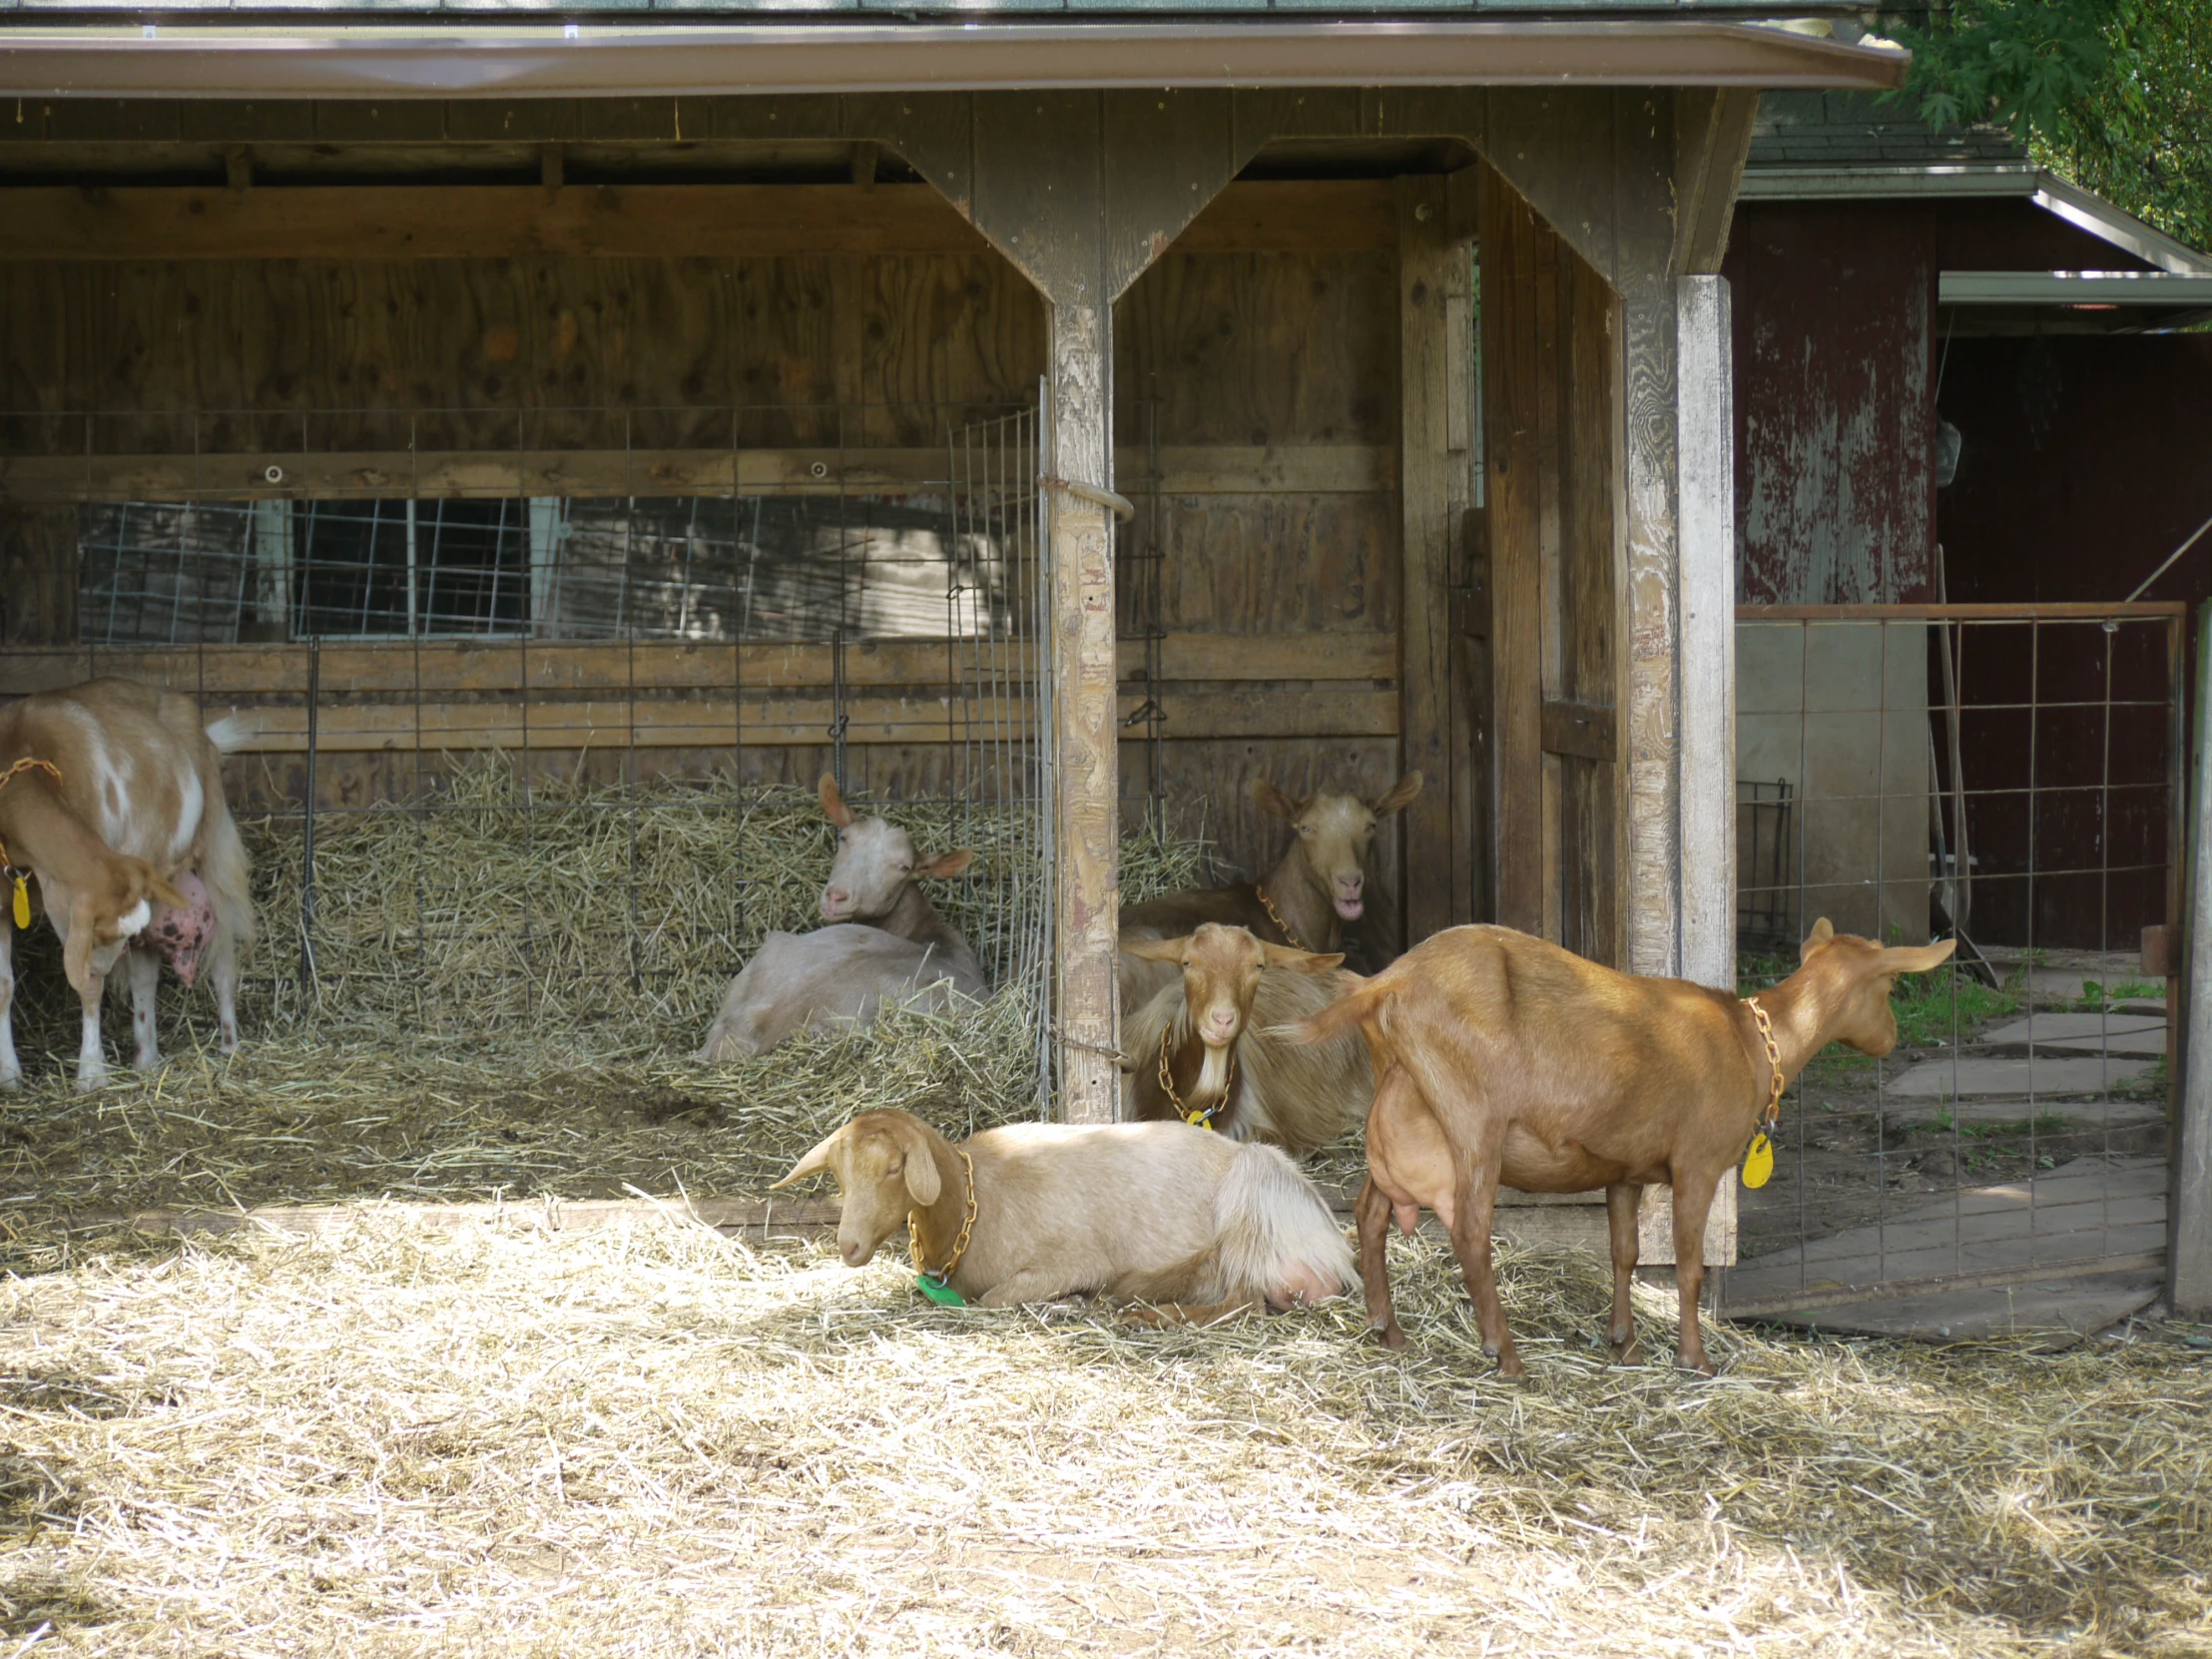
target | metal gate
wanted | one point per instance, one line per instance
(2012, 775)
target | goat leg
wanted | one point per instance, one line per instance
(92, 1062)
(1693, 1202)
(1372, 1210)
(11, 1069)
(1470, 1243)
(1622, 1200)
(142, 969)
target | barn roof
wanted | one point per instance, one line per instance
(509, 48)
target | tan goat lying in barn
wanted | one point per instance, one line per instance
(1314, 889)
(1141, 1212)
(1207, 1050)
(885, 945)
(1500, 1057)
(133, 850)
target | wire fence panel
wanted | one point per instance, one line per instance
(539, 745)
(2010, 777)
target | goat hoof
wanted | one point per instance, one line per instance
(1630, 1353)
(10, 1082)
(1392, 1336)
(1699, 1366)
(1511, 1370)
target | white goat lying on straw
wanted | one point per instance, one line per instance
(1142, 1212)
(885, 946)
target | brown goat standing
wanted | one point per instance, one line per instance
(1501, 1057)
(1315, 887)
(1227, 1064)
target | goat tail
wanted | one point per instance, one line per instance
(1356, 1007)
(1275, 1239)
(234, 732)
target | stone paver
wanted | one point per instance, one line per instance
(2042, 1079)
(2137, 1035)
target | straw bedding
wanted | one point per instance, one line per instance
(504, 997)
(650, 1440)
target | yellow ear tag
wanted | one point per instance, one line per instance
(1199, 1120)
(22, 903)
(1759, 1161)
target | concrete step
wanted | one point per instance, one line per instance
(2139, 1036)
(2035, 1079)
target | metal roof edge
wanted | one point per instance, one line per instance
(2093, 214)
(592, 59)
(1887, 179)
(2074, 287)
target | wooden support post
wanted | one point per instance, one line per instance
(1707, 588)
(1087, 896)
(38, 575)
(1433, 851)
(1511, 375)
(2189, 1195)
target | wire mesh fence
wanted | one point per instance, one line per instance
(2009, 776)
(529, 757)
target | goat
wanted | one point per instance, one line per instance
(1207, 1051)
(119, 808)
(1501, 1057)
(1140, 1212)
(885, 945)
(1317, 886)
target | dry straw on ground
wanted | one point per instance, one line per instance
(505, 999)
(646, 1441)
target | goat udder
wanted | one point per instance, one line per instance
(1299, 1283)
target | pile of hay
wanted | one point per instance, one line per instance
(646, 1441)
(504, 999)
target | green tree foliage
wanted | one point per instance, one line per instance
(2113, 93)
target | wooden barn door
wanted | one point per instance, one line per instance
(1554, 425)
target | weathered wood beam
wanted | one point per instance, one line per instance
(1318, 469)
(1712, 140)
(1432, 851)
(469, 222)
(1706, 449)
(440, 668)
(38, 575)
(457, 221)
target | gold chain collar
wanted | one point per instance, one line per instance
(1775, 1085)
(1276, 916)
(1198, 1117)
(7, 862)
(960, 1246)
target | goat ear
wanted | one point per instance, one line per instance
(832, 802)
(1821, 935)
(1300, 961)
(1157, 951)
(1916, 958)
(812, 1164)
(1399, 797)
(946, 864)
(1268, 798)
(922, 1181)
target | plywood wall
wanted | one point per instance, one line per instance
(1288, 360)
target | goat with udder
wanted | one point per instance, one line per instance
(1157, 1213)
(117, 810)
(1207, 1051)
(1503, 1058)
(885, 946)
(1314, 890)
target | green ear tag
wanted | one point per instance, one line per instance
(1759, 1161)
(944, 1295)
